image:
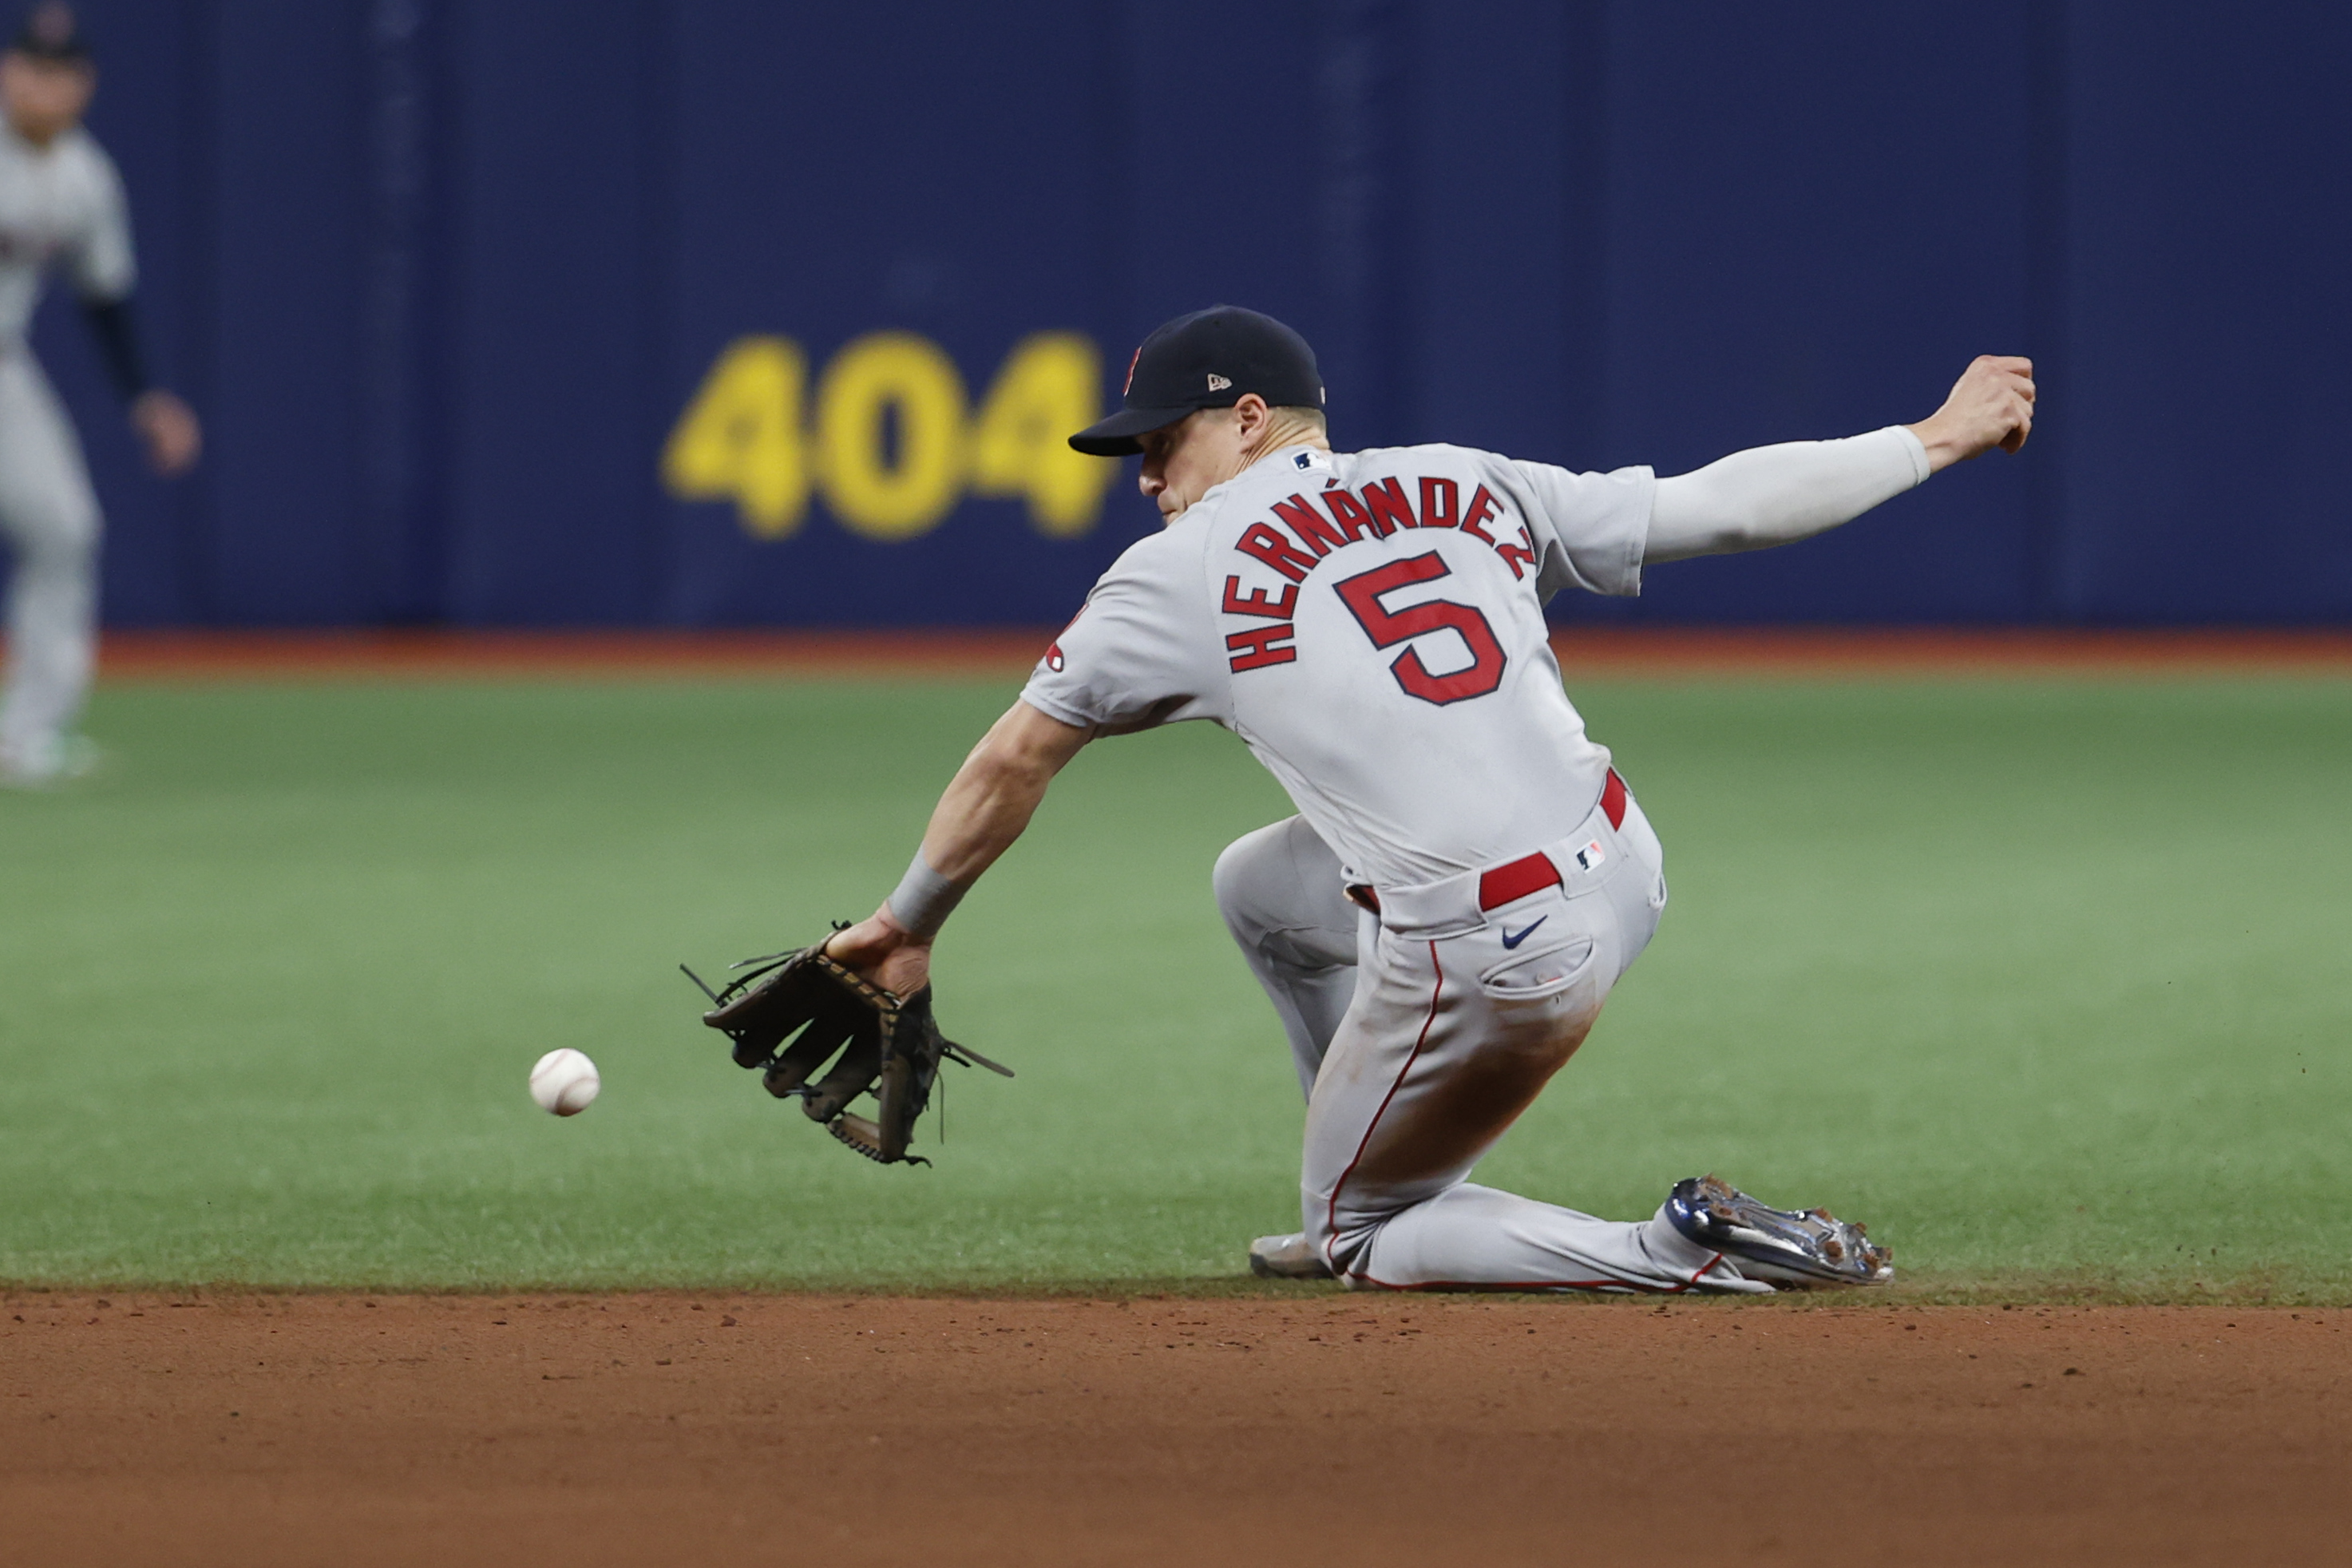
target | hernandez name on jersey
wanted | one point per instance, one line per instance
(1372, 625)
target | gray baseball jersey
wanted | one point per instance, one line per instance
(1372, 625)
(60, 205)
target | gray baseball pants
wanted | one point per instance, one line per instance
(49, 517)
(1421, 1033)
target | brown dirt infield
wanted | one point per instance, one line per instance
(1319, 1429)
(1676, 652)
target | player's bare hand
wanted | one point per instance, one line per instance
(168, 428)
(884, 952)
(1991, 405)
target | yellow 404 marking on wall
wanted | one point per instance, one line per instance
(747, 436)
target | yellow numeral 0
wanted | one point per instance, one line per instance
(871, 377)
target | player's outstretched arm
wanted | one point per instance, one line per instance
(1778, 495)
(985, 808)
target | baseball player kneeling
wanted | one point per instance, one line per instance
(1467, 875)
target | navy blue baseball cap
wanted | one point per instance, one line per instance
(1210, 359)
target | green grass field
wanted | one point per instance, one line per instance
(2051, 981)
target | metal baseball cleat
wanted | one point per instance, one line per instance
(1785, 1246)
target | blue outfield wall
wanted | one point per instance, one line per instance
(711, 312)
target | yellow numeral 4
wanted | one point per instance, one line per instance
(1050, 387)
(740, 437)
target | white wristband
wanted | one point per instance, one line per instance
(924, 899)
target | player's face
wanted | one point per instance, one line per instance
(1182, 462)
(43, 99)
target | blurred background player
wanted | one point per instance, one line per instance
(61, 205)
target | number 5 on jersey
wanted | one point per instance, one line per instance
(1361, 594)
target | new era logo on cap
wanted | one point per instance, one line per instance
(1218, 383)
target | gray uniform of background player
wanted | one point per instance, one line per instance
(1421, 1033)
(62, 207)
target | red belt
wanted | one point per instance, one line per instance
(1529, 873)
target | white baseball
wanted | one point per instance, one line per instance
(566, 1082)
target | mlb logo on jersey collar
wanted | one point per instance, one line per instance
(1308, 457)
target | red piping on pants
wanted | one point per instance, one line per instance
(1331, 1212)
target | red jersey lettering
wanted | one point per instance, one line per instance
(1519, 556)
(1482, 507)
(1391, 511)
(1440, 501)
(1261, 646)
(1261, 542)
(1308, 523)
(1353, 519)
(1256, 603)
